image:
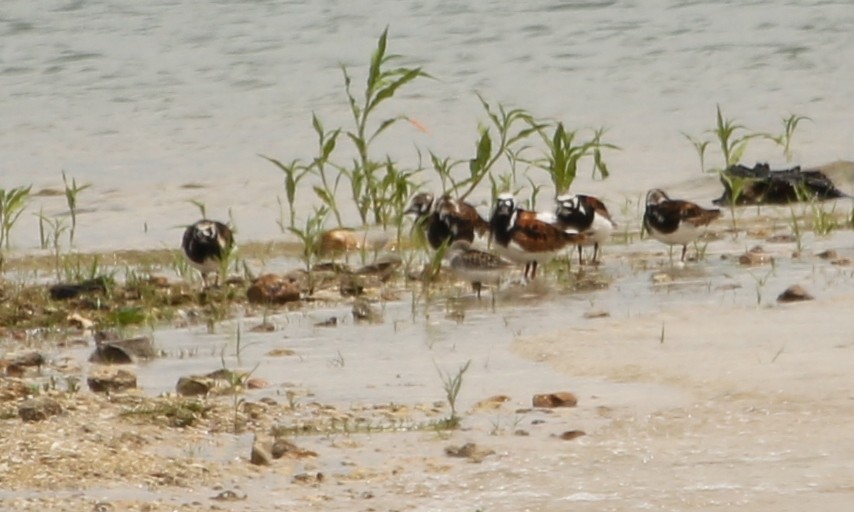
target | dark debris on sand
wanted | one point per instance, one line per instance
(761, 185)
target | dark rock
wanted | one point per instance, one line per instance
(559, 399)
(17, 365)
(158, 281)
(110, 380)
(65, 291)
(257, 383)
(264, 326)
(194, 386)
(227, 375)
(383, 268)
(39, 409)
(350, 285)
(281, 447)
(260, 455)
(596, 313)
(229, 496)
(284, 448)
(32, 358)
(761, 185)
(332, 321)
(569, 435)
(333, 267)
(13, 389)
(755, 256)
(829, 254)
(273, 289)
(254, 410)
(309, 478)
(125, 351)
(15, 370)
(217, 382)
(794, 293)
(365, 312)
(470, 451)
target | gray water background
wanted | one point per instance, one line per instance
(141, 98)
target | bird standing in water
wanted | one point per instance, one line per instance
(522, 236)
(206, 244)
(674, 221)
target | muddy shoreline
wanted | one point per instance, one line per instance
(696, 389)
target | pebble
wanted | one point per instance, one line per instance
(794, 293)
(39, 409)
(559, 399)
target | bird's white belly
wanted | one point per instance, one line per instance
(515, 253)
(685, 234)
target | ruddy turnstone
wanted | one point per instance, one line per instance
(586, 215)
(206, 243)
(522, 236)
(446, 219)
(674, 221)
(476, 266)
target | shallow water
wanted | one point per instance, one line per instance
(141, 100)
(697, 392)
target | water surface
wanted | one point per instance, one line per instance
(139, 100)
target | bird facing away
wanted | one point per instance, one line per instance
(475, 266)
(586, 215)
(206, 244)
(446, 219)
(523, 237)
(674, 221)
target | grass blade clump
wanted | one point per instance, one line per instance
(310, 236)
(565, 153)
(503, 138)
(293, 172)
(12, 204)
(378, 186)
(71, 192)
(784, 140)
(452, 384)
(732, 139)
(365, 172)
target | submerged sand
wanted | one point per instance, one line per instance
(696, 390)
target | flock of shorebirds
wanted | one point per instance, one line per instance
(516, 235)
(530, 238)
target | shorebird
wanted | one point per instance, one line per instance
(477, 267)
(523, 237)
(586, 215)
(446, 219)
(674, 221)
(206, 244)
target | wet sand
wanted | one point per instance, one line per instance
(735, 408)
(696, 391)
